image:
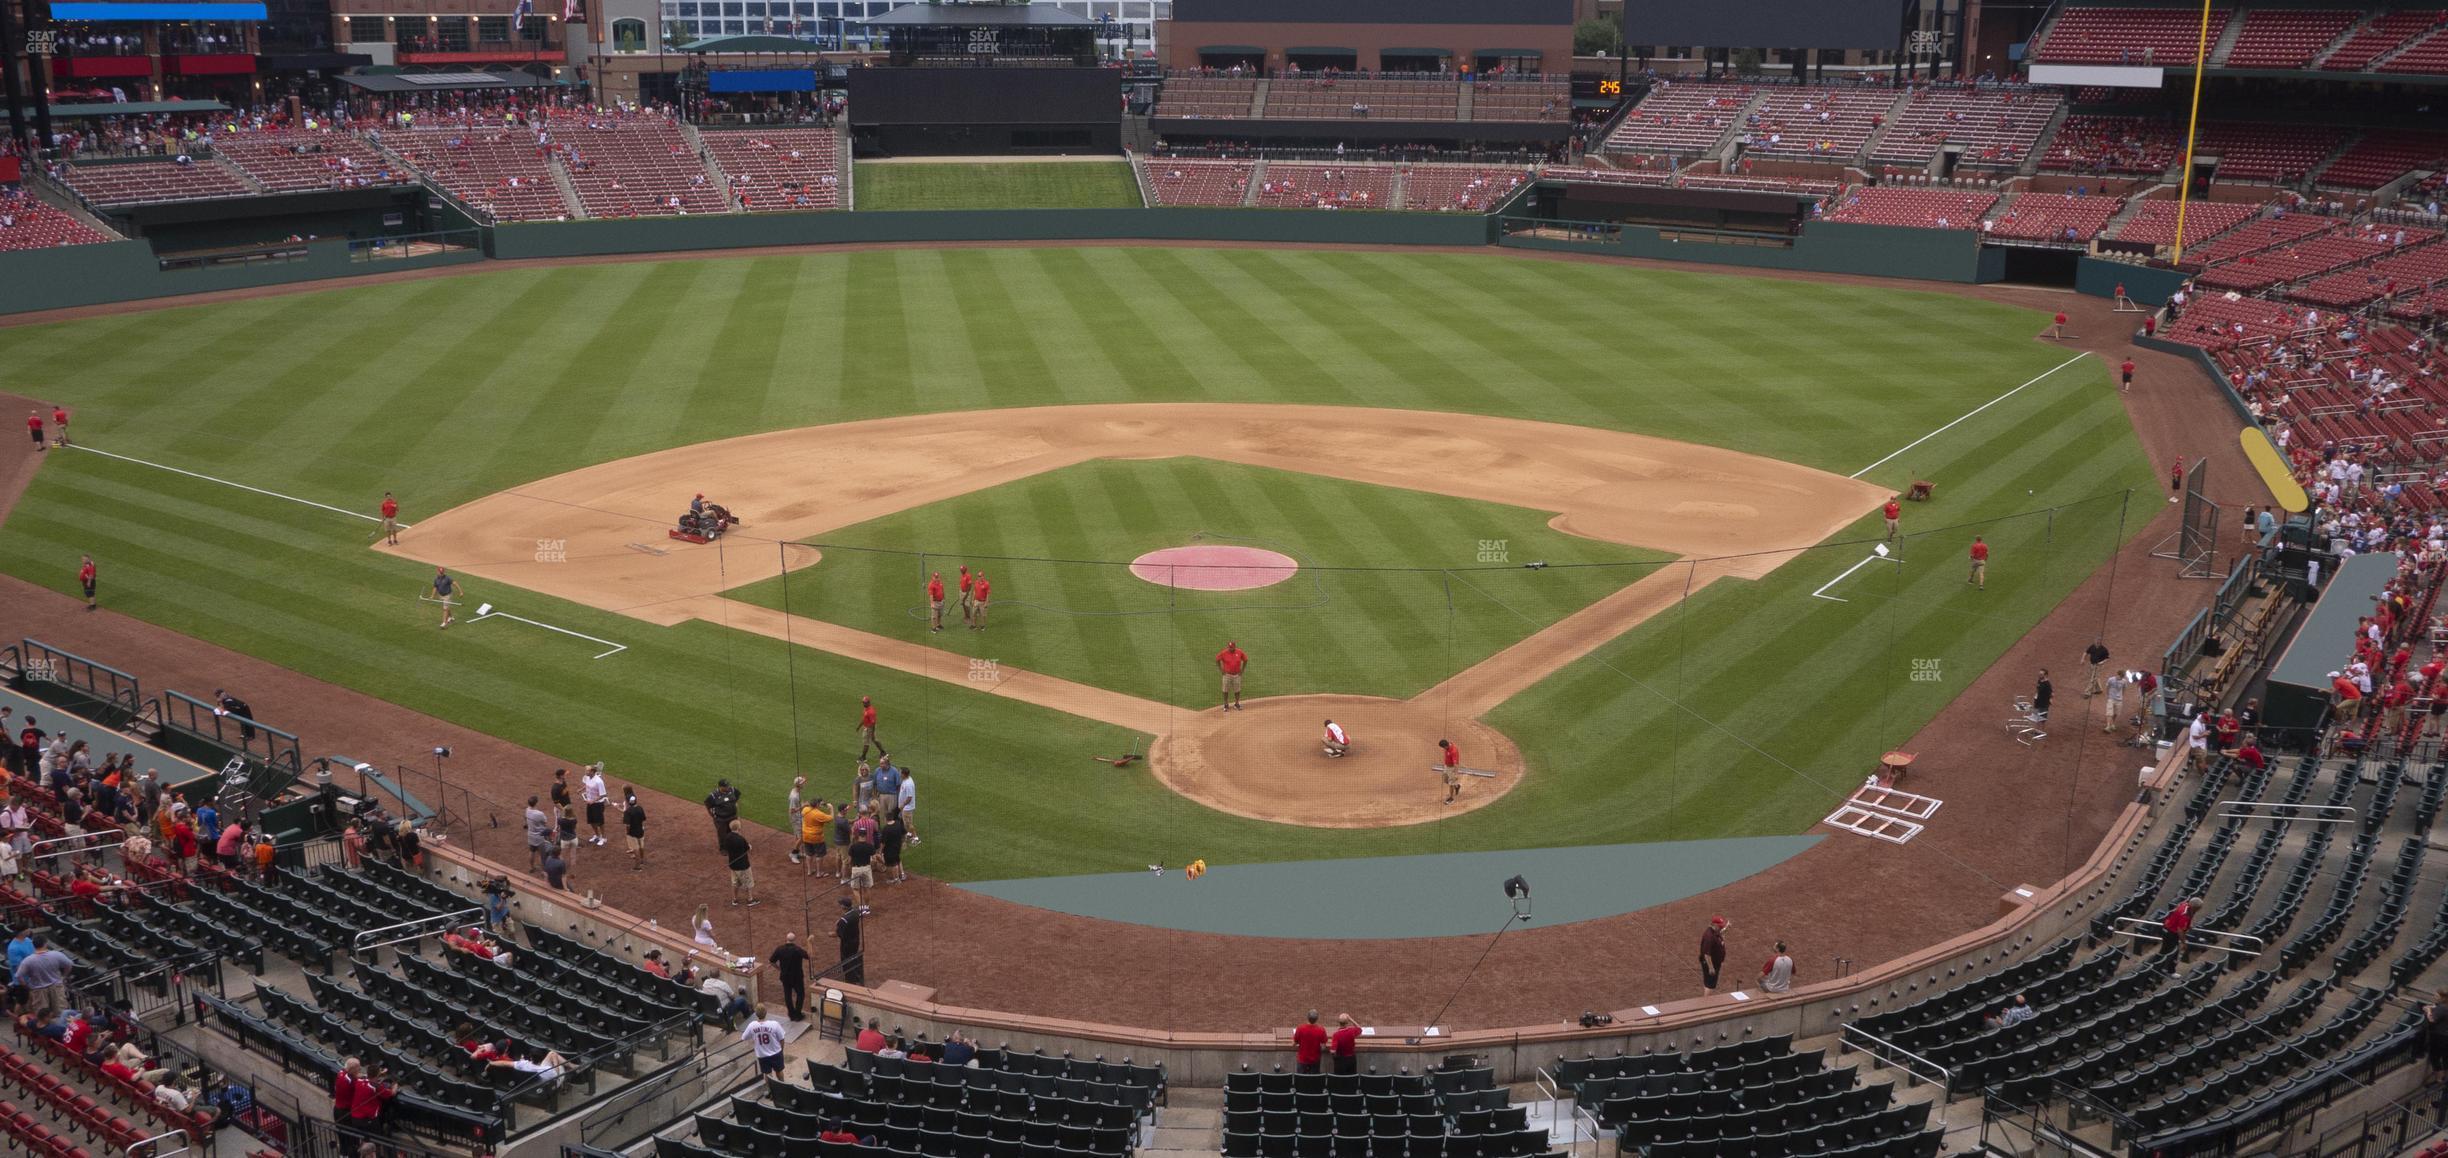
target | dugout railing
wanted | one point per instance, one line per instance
(88, 688)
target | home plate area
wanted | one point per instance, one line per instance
(1884, 813)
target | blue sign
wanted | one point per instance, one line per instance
(760, 80)
(143, 12)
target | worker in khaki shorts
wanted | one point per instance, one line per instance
(977, 602)
(935, 600)
(1230, 661)
(967, 581)
(1980, 564)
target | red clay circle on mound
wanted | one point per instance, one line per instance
(1214, 568)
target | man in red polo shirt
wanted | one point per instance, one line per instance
(2126, 371)
(867, 729)
(390, 519)
(1308, 1044)
(2249, 752)
(935, 598)
(59, 425)
(1980, 564)
(977, 598)
(2058, 330)
(85, 579)
(1230, 661)
(2175, 929)
(1451, 769)
(1895, 517)
(967, 582)
(1345, 1046)
(34, 426)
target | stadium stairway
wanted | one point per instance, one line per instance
(705, 157)
(2048, 132)
(1190, 1126)
(2361, 22)
(559, 168)
(2132, 209)
(1462, 112)
(2226, 41)
(1258, 99)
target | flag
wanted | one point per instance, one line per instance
(571, 11)
(518, 16)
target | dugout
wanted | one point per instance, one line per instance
(2297, 699)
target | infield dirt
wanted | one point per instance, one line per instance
(1746, 513)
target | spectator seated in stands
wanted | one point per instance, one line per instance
(653, 963)
(478, 1047)
(129, 1064)
(958, 1050)
(871, 1039)
(734, 1006)
(476, 944)
(547, 1067)
(180, 1093)
(2015, 1014)
(839, 1131)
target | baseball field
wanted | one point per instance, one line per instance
(1712, 647)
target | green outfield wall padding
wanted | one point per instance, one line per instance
(126, 271)
(1821, 247)
(734, 231)
(2145, 285)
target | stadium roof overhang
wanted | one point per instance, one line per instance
(751, 42)
(978, 16)
(1415, 52)
(1232, 49)
(133, 109)
(1507, 52)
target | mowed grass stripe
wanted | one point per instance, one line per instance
(1843, 376)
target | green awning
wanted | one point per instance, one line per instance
(1231, 50)
(133, 108)
(1321, 52)
(1415, 52)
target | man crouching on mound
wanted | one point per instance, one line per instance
(1337, 742)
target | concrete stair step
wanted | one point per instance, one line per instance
(1158, 1152)
(1194, 1098)
(1161, 1139)
(1189, 1118)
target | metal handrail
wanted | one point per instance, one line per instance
(428, 926)
(33, 856)
(1945, 1079)
(2153, 929)
(132, 1147)
(2275, 810)
(1597, 1129)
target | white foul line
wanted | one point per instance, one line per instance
(1952, 425)
(228, 483)
(617, 648)
(1866, 561)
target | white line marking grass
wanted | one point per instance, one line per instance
(238, 485)
(1975, 410)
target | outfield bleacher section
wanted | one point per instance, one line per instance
(637, 167)
(2084, 34)
(1993, 126)
(500, 172)
(111, 184)
(1681, 119)
(297, 161)
(777, 169)
(28, 222)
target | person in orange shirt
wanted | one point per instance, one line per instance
(1895, 517)
(867, 729)
(977, 600)
(935, 600)
(1980, 564)
(390, 519)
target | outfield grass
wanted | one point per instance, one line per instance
(449, 389)
(997, 185)
(1372, 613)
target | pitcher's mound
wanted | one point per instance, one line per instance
(1266, 762)
(1214, 567)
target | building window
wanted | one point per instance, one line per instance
(628, 36)
(493, 30)
(451, 34)
(366, 29)
(535, 28)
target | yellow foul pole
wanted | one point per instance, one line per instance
(2184, 187)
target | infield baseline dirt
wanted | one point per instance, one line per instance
(1848, 897)
(1678, 497)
